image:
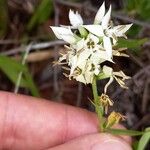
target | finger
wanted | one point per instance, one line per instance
(28, 123)
(95, 142)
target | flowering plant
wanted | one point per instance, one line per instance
(89, 47)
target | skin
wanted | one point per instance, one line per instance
(28, 123)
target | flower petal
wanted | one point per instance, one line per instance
(79, 45)
(121, 82)
(64, 33)
(80, 78)
(83, 56)
(73, 63)
(75, 18)
(107, 46)
(122, 75)
(95, 29)
(121, 29)
(108, 83)
(105, 20)
(100, 14)
(107, 70)
(99, 57)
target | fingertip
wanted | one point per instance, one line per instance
(95, 142)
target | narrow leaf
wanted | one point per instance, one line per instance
(130, 43)
(144, 140)
(42, 13)
(30, 83)
(12, 68)
(124, 132)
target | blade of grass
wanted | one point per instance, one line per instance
(124, 132)
(144, 140)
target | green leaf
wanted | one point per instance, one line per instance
(144, 140)
(138, 8)
(124, 132)
(135, 145)
(30, 83)
(134, 31)
(136, 43)
(12, 68)
(42, 13)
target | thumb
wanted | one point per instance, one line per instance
(95, 142)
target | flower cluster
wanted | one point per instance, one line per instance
(88, 48)
(91, 45)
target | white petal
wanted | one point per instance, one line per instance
(121, 74)
(108, 83)
(73, 64)
(107, 70)
(95, 29)
(83, 56)
(121, 82)
(89, 77)
(121, 29)
(64, 34)
(80, 78)
(93, 38)
(107, 46)
(105, 20)
(79, 45)
(75, 18)
(99, 57)
(97, 69)
(100, 14)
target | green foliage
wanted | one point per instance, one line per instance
(132, 44)
(139, 7)
(134, 31)
(124, 132)
(41, 14)
(12, 68)
(3, 17)
(135, 145)
(144, 140)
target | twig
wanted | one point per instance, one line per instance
(42, 45)
(23, 63)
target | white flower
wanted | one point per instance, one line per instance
(75, 19)
(100, 14)
(103, 29)
(85, 72)
(120, 77)
(118, 31)
(91, 45)
(64, 34)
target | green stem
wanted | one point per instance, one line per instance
(98, 107)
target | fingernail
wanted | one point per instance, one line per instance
(111, 145)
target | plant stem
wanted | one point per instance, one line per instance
(98, 107)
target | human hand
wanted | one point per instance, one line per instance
(28, 123)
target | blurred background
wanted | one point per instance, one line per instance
(28, 47)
